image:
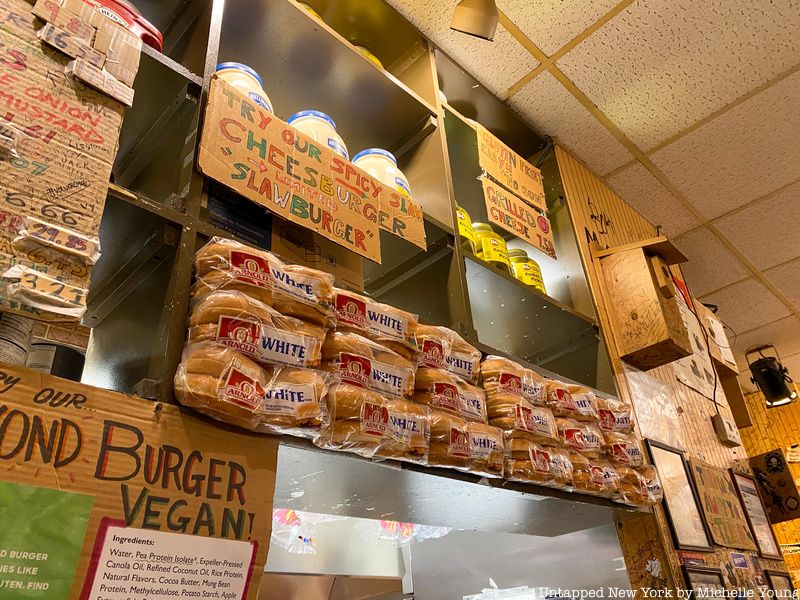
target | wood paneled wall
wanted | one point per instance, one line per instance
(776, 428)
(599, 215)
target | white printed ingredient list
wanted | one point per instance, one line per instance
(141, 564)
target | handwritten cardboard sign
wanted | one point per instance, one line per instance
(164, 489)
(509, 169)
(264, 159)
(58, 141)
(518, 217)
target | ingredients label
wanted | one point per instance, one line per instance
(142, 564)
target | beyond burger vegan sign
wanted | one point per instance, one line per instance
(271, 163)
(155, 476)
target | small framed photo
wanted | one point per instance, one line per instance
(681, 503)
(702, 580)
(779, 581)
(756, 514)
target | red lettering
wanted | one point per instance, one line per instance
(338, 165)
(224, 127)
(360, 240)
(327, 218)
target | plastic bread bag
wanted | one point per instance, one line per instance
(293, 290)
(295, 531)
(363, 422)
(586, 438)
(624, 449)
(526, 421)
(585, 402)
(463, 360)
(593, 476)
(615, 415)
(235, 320)
(389, 326)
(434, 346)
(364, 363)
(443, 391)
(544, 465)
(506, 381)
(465, 446)
(224, 264)
(226, 385)
(561, 402)
(655, 492)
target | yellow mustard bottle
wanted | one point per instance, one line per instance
(465, 234)
(526, 269)
(490, 246)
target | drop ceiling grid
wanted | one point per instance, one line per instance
(642, 156)
(643, 159)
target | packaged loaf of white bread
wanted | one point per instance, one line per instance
(522, 420)
(585, 403)
(586, 438)
(593, 476)
(235, 320)
(292, 290)
(226, 385)
(506, 381)
(443, 391)
(639, 487)
(529, 462)
(624, 449)
(443, 348)
(466, 446)
(389, 326)
(561, 401)
(366, 423)
(615, 415)
(363, 363)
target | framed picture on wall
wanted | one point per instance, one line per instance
(703, 580)
(756, 514)
(779, 581)
(681, 504)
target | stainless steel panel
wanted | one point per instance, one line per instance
(341, 549)
(340, 484)
(461, 563)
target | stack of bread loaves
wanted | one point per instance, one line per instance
(371, 355)
(461, 437)
(256, 332)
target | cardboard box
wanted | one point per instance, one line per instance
(298, 245)
(110, 490)
(122, 53)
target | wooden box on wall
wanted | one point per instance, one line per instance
(646, 318)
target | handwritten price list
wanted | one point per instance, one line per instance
(139, 564)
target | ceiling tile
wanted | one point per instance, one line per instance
(786, 278)
(552, 110)
(747, 305)
(711, 265)
(766, 231)
(498, 65)
(741, 155)
(647, 195)
(661, 65)
(783, 334)
(550, 25)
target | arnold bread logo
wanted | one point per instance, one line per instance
(351, 311)
(445, 396)
(238, 334)
(355, 369)
(251, 269)
(242, 390)
(374, 419)
(459, 443)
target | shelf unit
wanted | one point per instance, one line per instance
(160, 210)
